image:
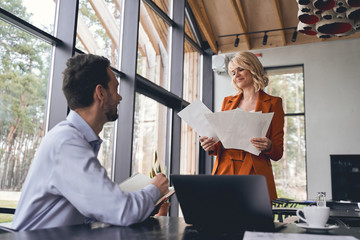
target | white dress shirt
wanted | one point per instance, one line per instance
(67, 185)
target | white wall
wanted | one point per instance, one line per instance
(332, 101)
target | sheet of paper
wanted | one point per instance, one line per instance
(292, 236)
(235, 128)
(194, 115)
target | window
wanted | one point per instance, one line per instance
(191, 86)
(149, 134)
(40, 13)
(24, 74)
(153, 50)
(98, 29)
(290, 171)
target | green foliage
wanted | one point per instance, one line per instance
(289, 172)
(24, 70)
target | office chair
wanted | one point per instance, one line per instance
(5, 227)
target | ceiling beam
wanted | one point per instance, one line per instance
(198, 9)
(280, 19)
(107, 20)
(243, 25)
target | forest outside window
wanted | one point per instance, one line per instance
(24, 73)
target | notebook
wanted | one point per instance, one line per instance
(225, 203)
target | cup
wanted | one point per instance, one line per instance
(314, 216)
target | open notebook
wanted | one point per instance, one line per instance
(138, 181)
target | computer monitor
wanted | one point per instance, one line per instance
(345, 177)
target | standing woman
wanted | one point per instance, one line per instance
(249, 80)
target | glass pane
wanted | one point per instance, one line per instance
(98, 28)
(149, 134)
(189, 139)
(192, 63)
(105, 155)
(153, 58)
(290, 171)
(163, 5)
(40, 13)
(188, 30)
(24, 73)
(288, 83)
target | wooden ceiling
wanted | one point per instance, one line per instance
(215, 18)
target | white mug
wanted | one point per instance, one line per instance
(314, 216)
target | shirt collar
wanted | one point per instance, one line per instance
(81, 125)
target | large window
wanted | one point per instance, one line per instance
(98, 32)
(149, 134)
(24, 74)
(153, 56)
(290, 171)
(98, 28)
(191, 89)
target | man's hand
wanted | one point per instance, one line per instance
(162, 183)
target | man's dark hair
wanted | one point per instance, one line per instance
(82, 74)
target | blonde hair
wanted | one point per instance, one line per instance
(250, 62)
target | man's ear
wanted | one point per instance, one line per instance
(99, 93)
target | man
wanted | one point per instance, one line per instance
(66, 184)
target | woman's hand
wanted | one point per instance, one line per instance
(262, 144)
(208, 144)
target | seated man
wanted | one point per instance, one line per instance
(66, 183)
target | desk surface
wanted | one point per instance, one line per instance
(155, 228)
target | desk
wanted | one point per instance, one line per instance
(171, 228)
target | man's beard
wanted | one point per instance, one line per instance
(112, 115)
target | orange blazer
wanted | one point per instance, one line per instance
(253, 164)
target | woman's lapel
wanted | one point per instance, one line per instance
(263, 103)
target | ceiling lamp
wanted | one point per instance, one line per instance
(328, 18)
(237, 40)
(265, 38)
(334, 26)
(353, 3)
(306, 29)
(324, 4)
(293, 38)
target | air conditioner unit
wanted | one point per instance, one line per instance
(219, 63)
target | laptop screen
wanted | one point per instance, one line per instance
(224, 203)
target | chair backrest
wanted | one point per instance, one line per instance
(6, 227)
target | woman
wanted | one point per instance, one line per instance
(249, 79)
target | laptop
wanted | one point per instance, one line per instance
(225, 203)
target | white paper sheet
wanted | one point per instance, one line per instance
(293, 236)
(194, 115)
(234, 128)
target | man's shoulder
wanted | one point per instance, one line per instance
(64, 130)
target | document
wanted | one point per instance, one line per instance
(194, 115)
(292, 236)
(234, 128)
(138, 181)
